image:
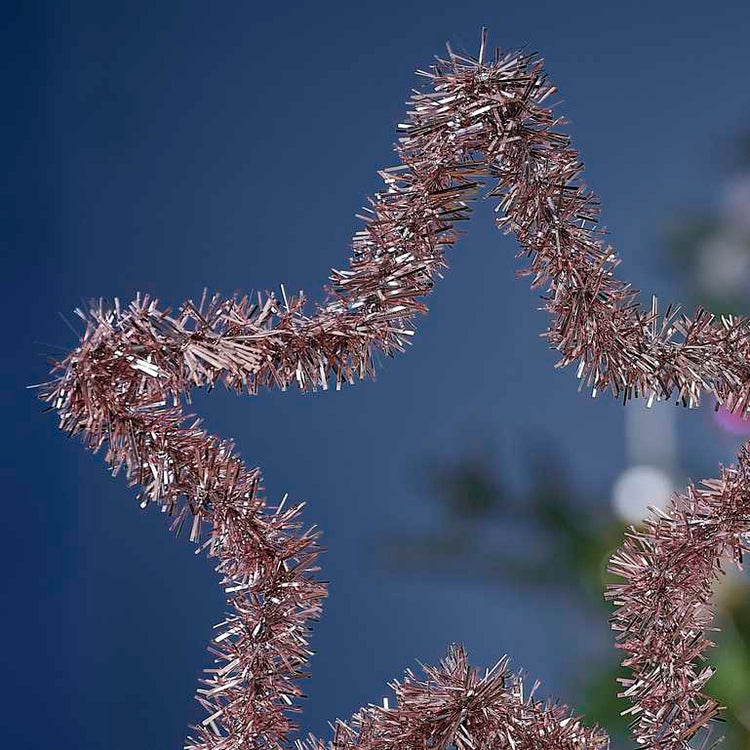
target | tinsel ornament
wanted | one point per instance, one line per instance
(483, 120)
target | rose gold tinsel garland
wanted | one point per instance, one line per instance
(124, 386)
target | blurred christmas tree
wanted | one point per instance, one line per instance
(709, 252)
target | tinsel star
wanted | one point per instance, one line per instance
(123, 388)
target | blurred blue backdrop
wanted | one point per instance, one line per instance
(164, 147)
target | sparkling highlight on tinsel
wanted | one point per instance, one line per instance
(124, 387)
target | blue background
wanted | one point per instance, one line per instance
(164, 147)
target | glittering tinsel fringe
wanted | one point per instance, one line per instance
(124, 387)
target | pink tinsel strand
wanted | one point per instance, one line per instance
(124, 386)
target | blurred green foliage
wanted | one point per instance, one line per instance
(579, 536)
